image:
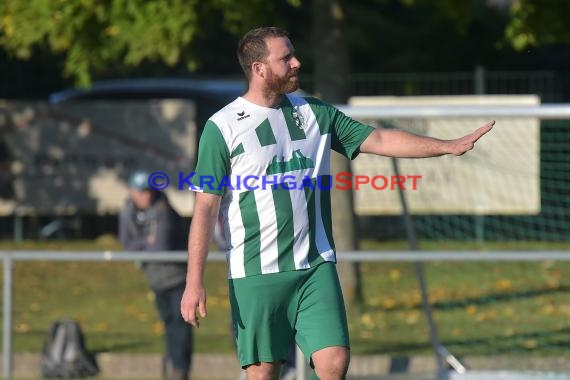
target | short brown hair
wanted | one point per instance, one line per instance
(253, 48)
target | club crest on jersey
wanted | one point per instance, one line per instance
(299, 120)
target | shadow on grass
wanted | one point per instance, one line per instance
(483, 300)
(546, 342)
(541, 341)
(122, 347)
(498, 297)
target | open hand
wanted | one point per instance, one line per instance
(466, 143)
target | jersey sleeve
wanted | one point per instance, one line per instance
(346, 133)
(213, 161)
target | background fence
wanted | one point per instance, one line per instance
(550, 86)
(486, 304)
(514, 297)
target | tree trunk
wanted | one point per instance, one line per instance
(331, 84)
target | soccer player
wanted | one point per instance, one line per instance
(283, 282)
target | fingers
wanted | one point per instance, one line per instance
(483, 130)
(190, 307)
(467, 142)
(189, 315)
(202, 308)
(185, 311)
(194, 322)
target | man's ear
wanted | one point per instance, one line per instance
(258, 68)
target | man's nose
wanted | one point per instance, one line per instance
(295, 63)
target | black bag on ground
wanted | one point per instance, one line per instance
(64, 355)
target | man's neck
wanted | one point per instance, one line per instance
(263, 97)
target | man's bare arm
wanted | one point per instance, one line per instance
(206, 209)
(401, 144)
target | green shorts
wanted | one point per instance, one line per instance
(270, 310)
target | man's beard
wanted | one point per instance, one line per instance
(283, 85)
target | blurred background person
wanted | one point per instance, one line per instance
(148, 222)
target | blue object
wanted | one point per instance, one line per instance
(139, 180)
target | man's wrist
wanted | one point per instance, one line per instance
(442, 147)
(194, 281)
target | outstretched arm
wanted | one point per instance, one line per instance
(206, 210)
(401, 144)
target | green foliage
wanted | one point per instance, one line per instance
(536, 23)
(105, 37)
(239, 17)
(93, 34)
(460, 12)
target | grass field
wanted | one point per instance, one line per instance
(480, 308)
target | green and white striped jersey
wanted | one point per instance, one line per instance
(272, 168)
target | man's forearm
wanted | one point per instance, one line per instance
(395, 143)
(401, 144)
(197, 252)
(200, 238)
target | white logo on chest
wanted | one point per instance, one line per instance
(299, 119)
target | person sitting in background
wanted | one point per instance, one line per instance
(147, 222)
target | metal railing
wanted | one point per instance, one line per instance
(543, 112)
(9, 258)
